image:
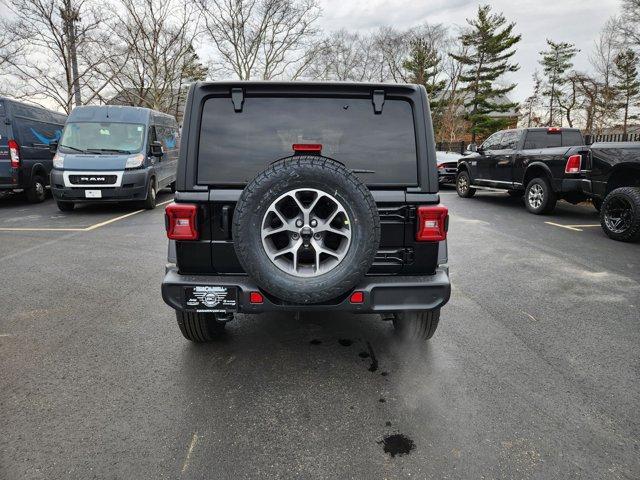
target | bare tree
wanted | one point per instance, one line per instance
(60, 42)
(157, 37)
(263, 39)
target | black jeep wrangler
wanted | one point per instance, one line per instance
(306, 196)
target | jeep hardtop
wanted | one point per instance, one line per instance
(306, 196)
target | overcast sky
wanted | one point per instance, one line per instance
(576, 21)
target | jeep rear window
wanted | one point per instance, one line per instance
(236, 146)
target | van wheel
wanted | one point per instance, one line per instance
(36, 192)
(66, 206)
(199, 327)
(539, 197)
(463, 185)
(150, 202)
(417, 325)
(620, 214)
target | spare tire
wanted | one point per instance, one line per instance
(306, 229)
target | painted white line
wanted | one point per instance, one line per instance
(192, 445)
(25, 229)
(7, 335)
(564, 226)
(84, 229)
(584, 226)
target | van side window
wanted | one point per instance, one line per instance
(168, 136)
(33, 133)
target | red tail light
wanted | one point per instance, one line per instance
(180, 221)
(433, 222)
(574, 163)
(307, 147)
(357, 297)
(553, 130)
(256, 298)
(14, 153)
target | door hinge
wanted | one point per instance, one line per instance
(237, 97)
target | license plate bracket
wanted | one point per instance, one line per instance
(211, 298)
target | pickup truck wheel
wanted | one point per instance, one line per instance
(539, 197)
(417, 325)
(65, 206)
(199, 327)
(306, 229)
(463, 185)
(620, 214)
(36, 192)
(150, 202)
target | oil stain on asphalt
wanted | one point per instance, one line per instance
(374, 361)
(345, 342)
(397, 444)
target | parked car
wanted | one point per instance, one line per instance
(447, 167)
(114, 154)
(306, 197)
(612, 171)
(534, 162)
(26, 132)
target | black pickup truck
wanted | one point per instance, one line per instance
(548, 164)
(538, 163)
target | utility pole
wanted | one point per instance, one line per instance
(70, 15)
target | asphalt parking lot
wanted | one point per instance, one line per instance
(533, 372)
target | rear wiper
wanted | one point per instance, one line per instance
(73, 148)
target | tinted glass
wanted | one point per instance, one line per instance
(235, 147)
(537, 139)
(510, 140)
(102, 137)
(32, 133)
(168, 136)
(493, 142)
(572, 139)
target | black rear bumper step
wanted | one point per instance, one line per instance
(381, 293)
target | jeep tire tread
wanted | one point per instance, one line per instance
(199, 327)
(417, 325)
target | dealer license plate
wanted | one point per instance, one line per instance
(211, 298)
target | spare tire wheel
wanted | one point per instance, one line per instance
(306, 229)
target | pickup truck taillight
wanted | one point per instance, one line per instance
(14, 153)
(181, 221)
(574, 163)
(433, 222)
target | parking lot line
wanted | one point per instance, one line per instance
(84, 229)
(575, 228)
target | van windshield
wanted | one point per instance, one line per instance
(103, 138)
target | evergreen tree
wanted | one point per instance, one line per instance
(626, 74)
(423, 67)
(532, 103)
(556, 63)
(490, 41)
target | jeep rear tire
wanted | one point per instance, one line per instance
(199, 327)
(620, 214)
(417, 325)
(306, 229)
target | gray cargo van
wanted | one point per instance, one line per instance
(114, 154)
(26, 132)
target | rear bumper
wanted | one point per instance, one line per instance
(133, 188)
(578, 185)
(381, 293)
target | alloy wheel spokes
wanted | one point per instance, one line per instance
(306, 232)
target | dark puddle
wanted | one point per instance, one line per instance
(374, 362)
(345, 342)
(382, 400)
(397, 444)
(315, 341)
